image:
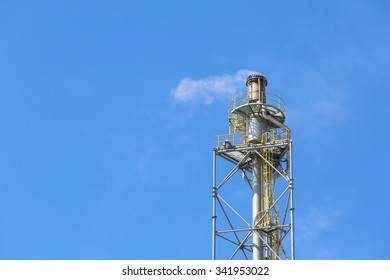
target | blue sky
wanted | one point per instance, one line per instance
(99, 159)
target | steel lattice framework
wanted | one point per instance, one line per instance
(260, 146)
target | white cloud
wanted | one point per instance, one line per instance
(317, 221)
(327, 107)
(315, 115)
(144, 162)
(209, 89)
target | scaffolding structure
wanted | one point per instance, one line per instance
(259, 145)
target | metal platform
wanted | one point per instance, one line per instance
(257, 109)
(236, 153)
(275, 107)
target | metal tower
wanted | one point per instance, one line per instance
(258, 143)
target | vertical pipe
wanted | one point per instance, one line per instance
(256, 126)
(256, 207)
(214, 217)
(291, 186)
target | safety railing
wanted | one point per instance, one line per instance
(230, 139)
(271, 99)
(276, 135)
(273, 136)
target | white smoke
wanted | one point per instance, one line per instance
(209, 89)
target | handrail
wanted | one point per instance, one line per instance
(273, 136)
(231, 139)
(272, 100)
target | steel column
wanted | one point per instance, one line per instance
(291, 186)
(214, 217)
